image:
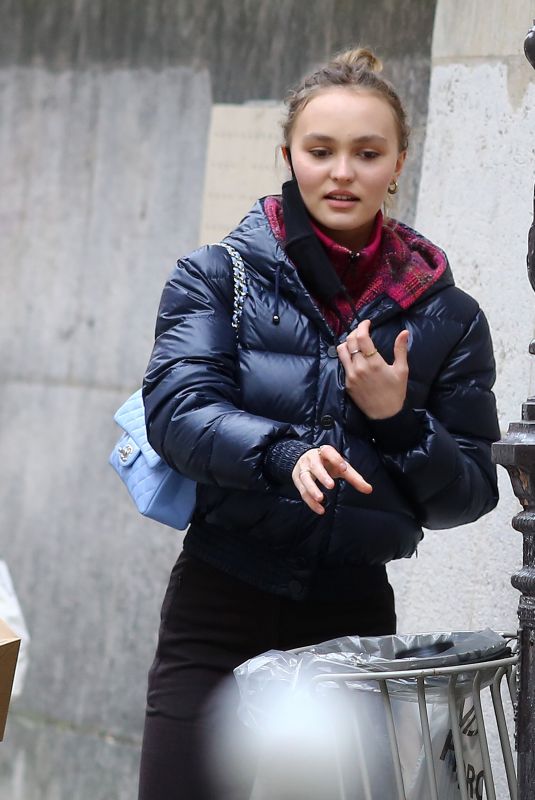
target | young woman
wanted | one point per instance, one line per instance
(352, 407)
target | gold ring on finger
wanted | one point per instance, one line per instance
(369, 355)
(304, 471)
(354, 352)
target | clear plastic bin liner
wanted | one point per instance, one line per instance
(298, 721)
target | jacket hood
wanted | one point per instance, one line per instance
(414, 264)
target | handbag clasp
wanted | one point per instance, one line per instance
(124, 452)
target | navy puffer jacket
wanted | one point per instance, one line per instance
(216, 401)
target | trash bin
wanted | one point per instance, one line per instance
(403, 717)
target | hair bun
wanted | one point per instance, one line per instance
(359, 58)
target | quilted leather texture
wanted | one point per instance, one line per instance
(158, 491)
(131, 418)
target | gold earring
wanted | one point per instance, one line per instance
(393, 187)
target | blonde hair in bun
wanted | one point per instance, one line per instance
(359, 58)
(357, 68)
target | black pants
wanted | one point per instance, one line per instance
(210, 624)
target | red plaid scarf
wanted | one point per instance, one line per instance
(397, 261)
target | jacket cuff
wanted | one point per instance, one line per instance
(281, 458)
(398, 433)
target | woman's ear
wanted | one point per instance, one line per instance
(400, 164)
(287, 156)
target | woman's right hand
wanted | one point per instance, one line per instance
(323, 465)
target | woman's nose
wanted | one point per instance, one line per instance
(343, 169)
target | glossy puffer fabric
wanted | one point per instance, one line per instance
(215, 403)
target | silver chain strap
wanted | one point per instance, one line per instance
(240, 283)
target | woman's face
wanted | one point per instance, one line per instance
(344, 150)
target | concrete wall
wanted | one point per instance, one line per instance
(475, 200)
(105, 135)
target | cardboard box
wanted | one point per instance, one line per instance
(9, 650)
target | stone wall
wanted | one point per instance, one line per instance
(105, 135)
(475, 200)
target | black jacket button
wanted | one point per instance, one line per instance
(332, 351)
(327, 421)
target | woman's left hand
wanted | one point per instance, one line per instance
(377, 388)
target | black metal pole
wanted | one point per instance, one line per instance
(516, 452)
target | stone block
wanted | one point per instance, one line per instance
(103, 186)
(476, 202)
(481, 28)
(243, 162)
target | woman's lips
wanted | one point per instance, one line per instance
(341, 199)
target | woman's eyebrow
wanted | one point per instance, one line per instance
(367, 137)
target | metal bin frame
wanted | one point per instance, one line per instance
(483, 675)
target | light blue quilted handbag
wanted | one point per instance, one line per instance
(158, 491)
